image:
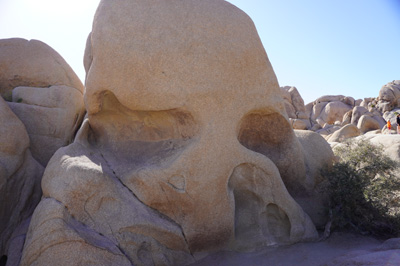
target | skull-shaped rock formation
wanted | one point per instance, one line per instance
(187, 147)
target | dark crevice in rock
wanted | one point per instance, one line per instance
(161, 215)
(91, 236)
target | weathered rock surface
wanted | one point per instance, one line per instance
(44, 109)
(43, 92)
(318, 154)
(187, 147)
(32, 64)
(367, 123)
(294, 106)
(20, 177)
(389, 96)
(346, 132)
(332, 112)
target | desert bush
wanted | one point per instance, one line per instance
(362, 186)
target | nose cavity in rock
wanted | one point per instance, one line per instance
(259, 220)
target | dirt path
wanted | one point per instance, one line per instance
(302, 254)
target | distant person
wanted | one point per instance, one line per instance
(398, 123)
(389, 126)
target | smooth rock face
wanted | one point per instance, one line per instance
(389, 96)
(367, 123)
(318, 154)
(186, 149)
(334, 111)
(295, 109)
(20, 177)
(44, 109)
(346, 132)
(32, 64)
(43, 91)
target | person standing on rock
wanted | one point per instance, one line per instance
(398, 123)
(389, 126)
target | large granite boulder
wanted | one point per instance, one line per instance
(32, 64)
(20, 191)
(43, 109)
(187, 147)
(389, 96)
(43, 91)
(346, 132)
(294, 106)
(318, 155)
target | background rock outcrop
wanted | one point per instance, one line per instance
(20, 192)
(43, 91)
(43, 109)
(295, 109)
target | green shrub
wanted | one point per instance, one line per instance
(362, 189)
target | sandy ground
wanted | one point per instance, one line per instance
(302, 254)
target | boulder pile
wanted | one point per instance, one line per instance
(338, 117)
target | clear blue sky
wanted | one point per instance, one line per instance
(349, 47)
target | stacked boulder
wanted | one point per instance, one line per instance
(389, 96)
(339, 117)
(294, 106)
(41, 107)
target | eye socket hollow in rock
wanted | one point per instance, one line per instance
(266, 133)
(137, 137)
(271, 134)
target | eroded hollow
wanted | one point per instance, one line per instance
(272, 135)
(140, 137)
(277, 227)
(257, 220)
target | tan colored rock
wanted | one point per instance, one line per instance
(349, 101)
(334, 111)
(347, 118)
(20, 177)
(43, 91)
(32, 64)
(187, 147)
(318, 154)
(298, 124)
(346, 132)
(329, 129)
(317, 109)
(389, 96)
(295, 109)
(330, 98)
(298, 102)
(357, 112)
(291, 112)
(308, 108)
(367, 123)
(390, 143)
(51, 116)
(358, 102)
